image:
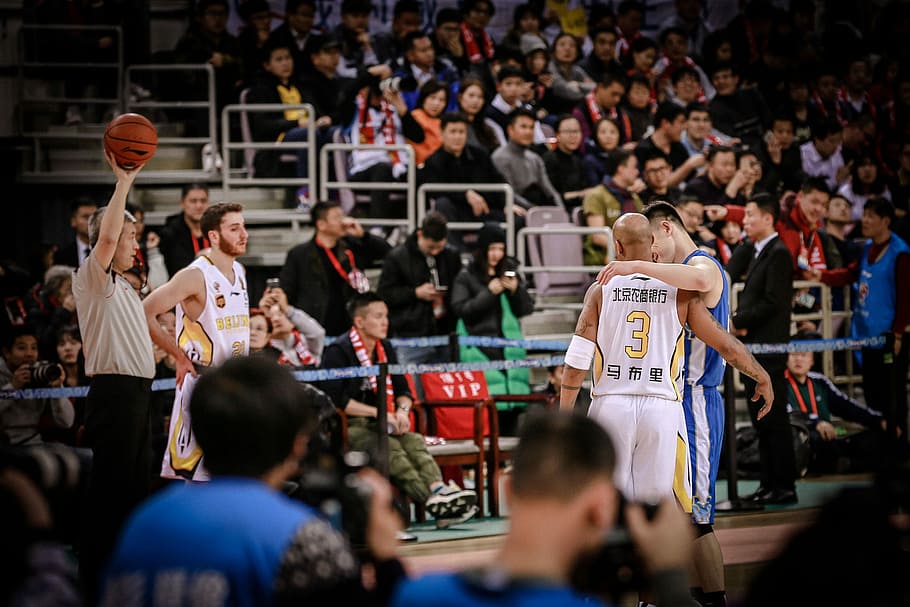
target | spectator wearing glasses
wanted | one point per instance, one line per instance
(656, 175)
(565, 164)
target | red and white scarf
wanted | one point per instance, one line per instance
(595, 113)
(303, 352)
(844, 97)
(355, 277)
(368, 130)
(472, 48)
(363, 357)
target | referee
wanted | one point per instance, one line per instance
(119, 360)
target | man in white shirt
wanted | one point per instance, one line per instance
(821, 157)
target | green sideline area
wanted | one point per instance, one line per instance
(812, 494)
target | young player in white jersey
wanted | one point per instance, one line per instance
(213, 324)
(637, 392)
(683, 265)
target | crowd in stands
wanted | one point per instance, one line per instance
(715, 122)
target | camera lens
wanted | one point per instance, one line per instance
(45, 372)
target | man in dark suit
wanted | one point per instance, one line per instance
(763, 316)
(74, 253)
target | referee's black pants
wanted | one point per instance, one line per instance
(118, 429)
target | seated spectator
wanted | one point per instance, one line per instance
(482, 131)
(295, 32)
(837, 224)
(261, 333)
(257, 22)
(669, 121)
(510, 83)
(853, 100)
(208, 41)
(488, 298)
(526, 20)
(522, 168)
(812, 399)
(603, 102)
(20, 418)
(278, 550)
(799, 108)
(479, 47)
(562, 503)
(421, 63)
(739, 112)
(320, 276)
(754, 181)
(601, 61)
(277, 85)
(822, 156)
(866, 181)
(51, 305)
(431, 103)
(656, 175)
(639, 61)
(68, 354)
(382, 118)
(74, 253)
(411, 467)
(700, 134)
(458, 162)
(674, 55)
(392, 45)
(597, 155)
(779, 156)
(692, 212)
(538, 91)
(717, 185)
(295, 335)
(446, 36)
(182, 239)
(629, 19)
(570, 82)
(684, 87)
(728, 237)
(565, 164)
(617, 195)
(859, 138)
(353, 32)
(638, 106)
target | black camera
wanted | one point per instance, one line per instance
(328, 481)
(61, 475)
(615, 569)
(44, 373)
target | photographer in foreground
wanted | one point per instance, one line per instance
(238, 536)
(562, 504)
(19, 370)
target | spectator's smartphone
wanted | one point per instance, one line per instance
(272, 283)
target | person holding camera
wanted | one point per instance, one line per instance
(20, 369)
(562, 505)
(295, 336)
(488, 298)
(254, 422)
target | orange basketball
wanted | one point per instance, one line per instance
(132, 139)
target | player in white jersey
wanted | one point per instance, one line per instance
(683, 265)
(637, 350)
(213, 324)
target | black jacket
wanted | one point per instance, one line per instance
(473, 302)
(767, 297)
(306, 282)
(404, 269)
(473, 166)
(340, 354)
(177, 244)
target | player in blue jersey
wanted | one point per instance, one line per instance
(685, 266)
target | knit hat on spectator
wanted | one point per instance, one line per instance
(530, 43)
(489, 234)
(251, 7)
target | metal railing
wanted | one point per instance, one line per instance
(249, 179)
(407, 186)
(31, 68)
(825, 315)
(208, 105)
(508, 209)
(522, 242)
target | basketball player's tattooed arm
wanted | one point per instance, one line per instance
(586, 327)
(707, 329)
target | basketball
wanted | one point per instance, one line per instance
(132, 139)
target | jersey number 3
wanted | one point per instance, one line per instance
(641, 324)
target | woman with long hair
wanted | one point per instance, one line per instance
(432, 101)
(606, 141)
(866, 181)
(471, 101)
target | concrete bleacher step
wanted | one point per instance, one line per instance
(549, 324)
